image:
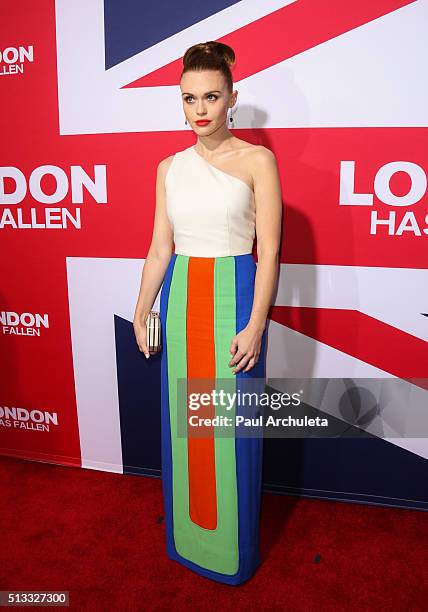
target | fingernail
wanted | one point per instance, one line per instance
(147, 356)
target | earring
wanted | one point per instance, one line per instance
(185, 123)
(231, 121)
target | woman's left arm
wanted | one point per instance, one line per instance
(245, 346)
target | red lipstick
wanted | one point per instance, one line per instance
(203, 122)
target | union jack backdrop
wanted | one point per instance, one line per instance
(90, 105)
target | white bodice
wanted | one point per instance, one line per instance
(212, 213)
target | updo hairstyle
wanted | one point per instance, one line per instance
(211, 55)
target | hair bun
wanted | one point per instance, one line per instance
(210, 55)
(211, 47)
(224, 51)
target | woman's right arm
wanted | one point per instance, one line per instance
(157, 259)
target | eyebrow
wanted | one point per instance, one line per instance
(186, 93)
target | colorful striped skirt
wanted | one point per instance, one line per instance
(211, 484)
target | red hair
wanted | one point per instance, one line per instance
(211, 55)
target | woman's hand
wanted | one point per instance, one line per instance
(245, 348)
(140, 330)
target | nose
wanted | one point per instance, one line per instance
(201, 109)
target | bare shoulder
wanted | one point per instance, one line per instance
(261, 162)
(262, 155)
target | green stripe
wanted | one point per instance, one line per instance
(216, 550)
(225, 458)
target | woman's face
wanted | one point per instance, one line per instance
(206, 97)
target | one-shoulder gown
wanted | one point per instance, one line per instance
(211, 484)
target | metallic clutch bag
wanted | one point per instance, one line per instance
(154, 340)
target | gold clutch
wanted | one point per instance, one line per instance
(154, 339)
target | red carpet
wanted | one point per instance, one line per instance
(101, 537)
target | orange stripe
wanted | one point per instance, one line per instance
(201, 364)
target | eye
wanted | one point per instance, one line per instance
(212, 96)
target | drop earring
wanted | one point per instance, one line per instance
(231, 121)
(185, 122)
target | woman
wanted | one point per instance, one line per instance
(211, 200)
